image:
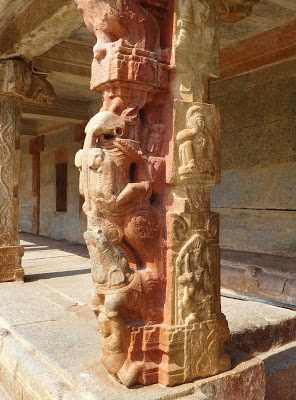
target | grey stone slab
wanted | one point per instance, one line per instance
(77, 287)
(56, 355)
(30, 241)
(259, 144)
(50, 294)
(257, 105)
(19, 305)
(72, 348)
(245, 316)
(46, 264)
(280, 358)
(23, 369)
(262, 231)
(271, 187)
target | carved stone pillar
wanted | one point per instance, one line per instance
(16, 84)
(149, 160)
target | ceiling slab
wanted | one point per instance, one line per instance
(37, 27)
(61, 110)
(267, 15)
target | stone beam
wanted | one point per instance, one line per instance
(63, 110)
(289, 4)
(17, 80)
(38, 27)
(67, 62)
(29, 127)
(266, 48)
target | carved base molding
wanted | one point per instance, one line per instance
(10, 260)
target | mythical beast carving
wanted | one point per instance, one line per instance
(148, 162)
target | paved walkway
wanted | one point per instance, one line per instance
(49, 342)
(60, 270)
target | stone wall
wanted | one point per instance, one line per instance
(69, 225)
(257, 195)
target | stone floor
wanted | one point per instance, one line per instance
(50, 346)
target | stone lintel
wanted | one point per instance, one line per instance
(61, 110)
(17, 80)
(266, 48)
(38, 27)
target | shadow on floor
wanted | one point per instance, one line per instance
(57, 274)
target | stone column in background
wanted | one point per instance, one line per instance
(150, 157)
(36, 146)
(17, 83)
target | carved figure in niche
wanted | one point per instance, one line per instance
(195, 284)
(154, 149)
(196, 146)
(123, 238)
(179, 228)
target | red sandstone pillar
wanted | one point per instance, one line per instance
(35, 147)
(149, 159)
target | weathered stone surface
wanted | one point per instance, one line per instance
(38, 27)
(257, 123)
(261, 276)
(258, 160)
(246, 380)
(262, 231)
(49, 357)
(234, 10)
(258, 105)
(270, 187)
(61, 225)
(3, 394)
(280, 367)
(265, 48)
(267, 15)
(257, 327)
(17, 80)
(10, 251)
(64, 110)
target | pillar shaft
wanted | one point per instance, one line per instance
(17, 84)
(149, 159)
(10, 250)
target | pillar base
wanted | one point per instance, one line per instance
(10, 261)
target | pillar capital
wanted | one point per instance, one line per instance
(18, 81)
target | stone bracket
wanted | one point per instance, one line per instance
(17, 80)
